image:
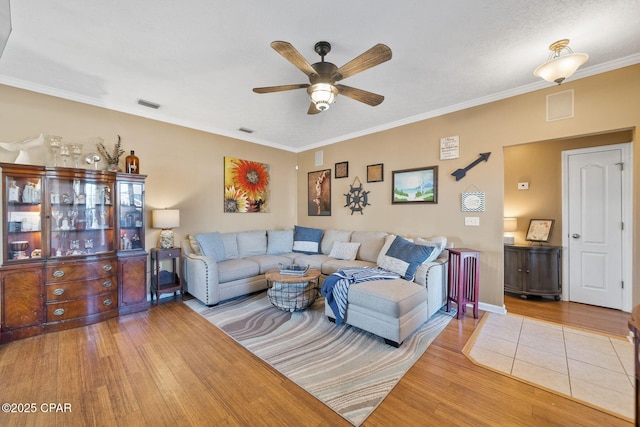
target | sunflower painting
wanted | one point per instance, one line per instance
(246, 186)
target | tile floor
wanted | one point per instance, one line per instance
(587, 366)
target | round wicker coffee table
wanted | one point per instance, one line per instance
(290, 292)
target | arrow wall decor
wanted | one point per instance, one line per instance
(460, 173)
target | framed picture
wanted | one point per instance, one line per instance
(418, 185)
(342, 169)
(319, 191)
(246, 186)
(539, 230)
(375, 173)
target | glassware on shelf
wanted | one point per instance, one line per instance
(73, 214)
(93, 159)
(55, 142)
(65, 154)
(57, 215)
(76, 153)
(88, 245)
(14, 192)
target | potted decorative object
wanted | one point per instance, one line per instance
(113, 158)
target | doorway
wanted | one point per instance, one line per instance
(597, 232)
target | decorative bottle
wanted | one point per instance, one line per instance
(132, 163)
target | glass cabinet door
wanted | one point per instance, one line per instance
(131, 215)
(23, 220)
(81, 217)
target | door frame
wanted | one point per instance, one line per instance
(627, 218)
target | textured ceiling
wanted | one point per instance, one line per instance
(199, 59)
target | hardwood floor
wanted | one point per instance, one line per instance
(169, 366)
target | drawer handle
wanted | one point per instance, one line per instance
(58, 273)
(107, 301)
(58, 291)
(59, 311)
(107, 284)
(107, 267)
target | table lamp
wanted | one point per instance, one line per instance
(510, 225)
(166, 219)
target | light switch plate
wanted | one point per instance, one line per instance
(472, 220)
(523, 186)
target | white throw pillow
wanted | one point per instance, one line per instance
(344, 250)
(438, 242)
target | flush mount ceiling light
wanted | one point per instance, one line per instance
(560, 67)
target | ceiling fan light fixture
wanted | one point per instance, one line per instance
(560, 67)
(322, 95)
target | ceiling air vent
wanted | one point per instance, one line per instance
(148, 104)
(245, 130)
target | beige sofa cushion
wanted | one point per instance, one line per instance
(331, 236)
(371, 243)
(235, 269)
(252, 243)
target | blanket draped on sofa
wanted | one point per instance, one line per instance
(335, 287)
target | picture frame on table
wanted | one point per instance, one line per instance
(375, 173)
(539, 230)
(418, 185)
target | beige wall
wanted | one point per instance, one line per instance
(540, 164)
(185, 166)
(603, 103)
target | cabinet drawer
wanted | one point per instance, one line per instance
(168, 253)
(73, 290)
(64, 272)
(58, 311)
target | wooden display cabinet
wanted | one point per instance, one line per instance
(132, 258)
(64, 263)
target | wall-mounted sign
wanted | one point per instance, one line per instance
(449, 147)
(472, 202)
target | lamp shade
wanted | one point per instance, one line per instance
(165, 218)
(510, 225)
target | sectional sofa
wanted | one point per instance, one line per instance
(219, 266)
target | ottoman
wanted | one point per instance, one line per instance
(391, 309)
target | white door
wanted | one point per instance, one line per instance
(595, 227)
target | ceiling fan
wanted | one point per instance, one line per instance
(322, 87)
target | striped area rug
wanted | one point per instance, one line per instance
(349, 370)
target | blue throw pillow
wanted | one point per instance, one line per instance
(212, 245)
(307, 240)
(279, 241)
(404, 257)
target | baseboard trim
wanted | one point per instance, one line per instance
(492, 308)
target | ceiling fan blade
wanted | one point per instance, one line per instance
(312, 109)
(270, 89)
(368, 98)
(376, 55)
(292, 55)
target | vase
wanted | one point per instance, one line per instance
(113, 167)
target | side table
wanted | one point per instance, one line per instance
(464, 276)
(164, 285)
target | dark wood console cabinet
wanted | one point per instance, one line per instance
(72, 248)
(533, 270)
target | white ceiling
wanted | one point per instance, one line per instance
(200, 59)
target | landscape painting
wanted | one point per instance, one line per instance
(419, 185)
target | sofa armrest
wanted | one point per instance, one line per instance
(201, 275)
(434, 272)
